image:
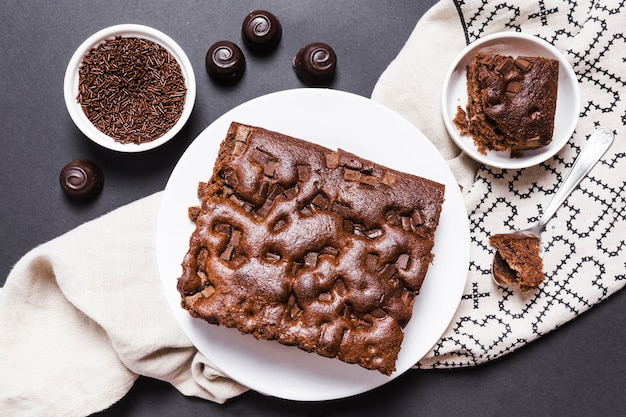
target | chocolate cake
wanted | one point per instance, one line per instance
(311, 247)
(511, 102)
(518, 259)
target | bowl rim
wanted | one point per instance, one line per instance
(70, 85)
(534, 157)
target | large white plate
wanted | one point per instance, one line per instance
(358, 125)
(512, 44)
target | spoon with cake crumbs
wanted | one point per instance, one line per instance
(518, 257)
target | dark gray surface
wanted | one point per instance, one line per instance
(575, 371)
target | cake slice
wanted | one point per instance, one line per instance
(511, 102)
(311, 247)
(518, 259)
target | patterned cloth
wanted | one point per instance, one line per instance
(585, 250)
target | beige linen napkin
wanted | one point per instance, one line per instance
(84, 314)
(584, 246)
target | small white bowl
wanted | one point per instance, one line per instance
(71, 85)
(513, 44)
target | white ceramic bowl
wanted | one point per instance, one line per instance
(513, 44)
(71, 85)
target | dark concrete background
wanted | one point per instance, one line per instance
(577, 370)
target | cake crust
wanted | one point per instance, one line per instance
(311, 247)
(511, 102)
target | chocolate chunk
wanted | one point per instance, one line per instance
(223, 228)
(235, 237)
(329, 250)
(389, 178)
(291, 301)
(422, 231)
(351, 175)
(417, 217)
(340, 287)
(368, 180)
(407, 224)
(387, 271)
(358, 229)
(304, 171)
(523, 64)
(392, 217)
(513, 87)
(81, 180)
(270, 168)
(230, 176)
(315, 63)
(535, 141)
(225, 62)
(208, 291)
(407, 298)
(239, 148)
(325, 297)
(291, 193)
(505, 67)
(280, 224)
(373, 233)
(228, 253)
(265, 208)
(341, 209)
(332, 160)
(310, 260)
(270, 256)
(363, 324)
(275, 191)
(226, 192)
(261, 31)
(353, 164)
(264, 189)
(371, 261)
(242, 133)
(320, 201)
(403, 261)
(295, 311)
(348, 226)
(259, 156)
(295, 267)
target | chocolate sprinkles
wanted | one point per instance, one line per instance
(131, 89)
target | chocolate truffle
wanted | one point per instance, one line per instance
(81, 180)
(225, 62)
(315, 63)
(261, 31)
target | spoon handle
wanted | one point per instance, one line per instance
(597, 144)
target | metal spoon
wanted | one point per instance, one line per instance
(597, 144)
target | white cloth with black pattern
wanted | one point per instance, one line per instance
(585, 251)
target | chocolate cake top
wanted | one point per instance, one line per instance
(511, 102)
(309, 246)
